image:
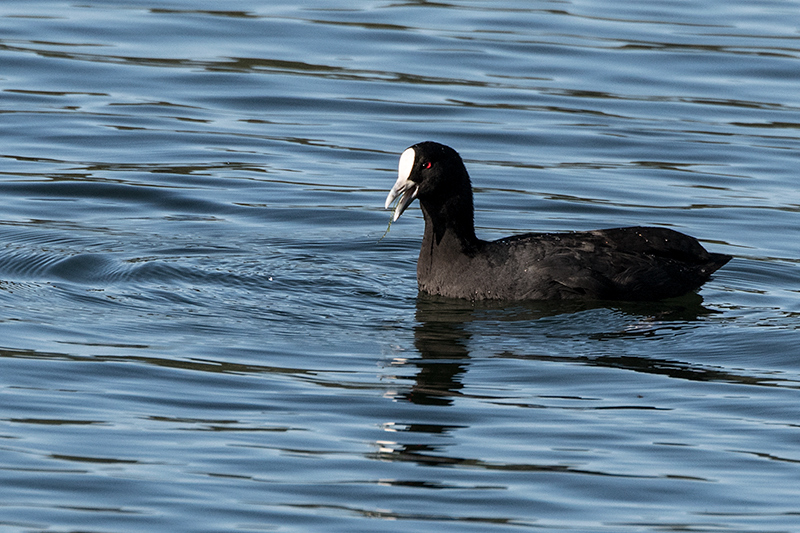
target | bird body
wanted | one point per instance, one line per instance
(635, 263)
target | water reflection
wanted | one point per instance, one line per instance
(447, 331)
(442, 340)
(442, 337)
(445, 327)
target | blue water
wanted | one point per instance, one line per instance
(204, 328)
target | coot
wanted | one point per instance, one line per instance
(637, 263)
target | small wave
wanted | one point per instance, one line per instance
(93, 269)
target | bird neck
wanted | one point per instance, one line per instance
(450, 222)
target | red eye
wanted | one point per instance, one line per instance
(427, 165)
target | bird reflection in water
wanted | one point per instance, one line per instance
(442, 340)
(443, 333)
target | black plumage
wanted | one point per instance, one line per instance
(636, 263)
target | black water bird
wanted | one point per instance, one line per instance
(636, 263)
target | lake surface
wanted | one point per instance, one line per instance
(204, 328)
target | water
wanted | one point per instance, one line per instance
(201, 328)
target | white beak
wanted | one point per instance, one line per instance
(403, 187)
